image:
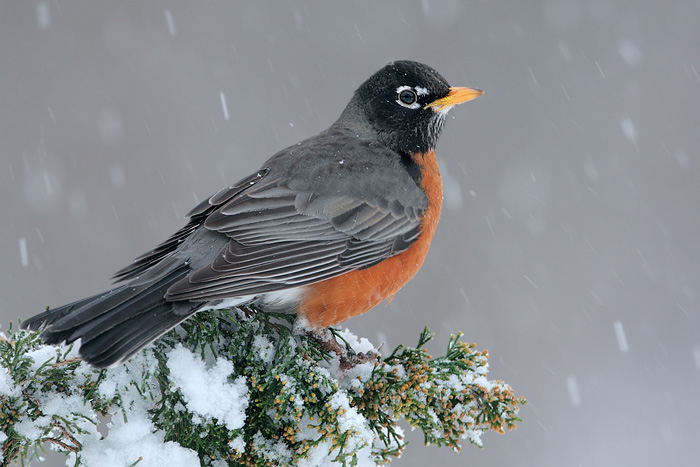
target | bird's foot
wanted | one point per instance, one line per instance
(326, 340)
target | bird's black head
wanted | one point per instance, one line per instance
(405, 104)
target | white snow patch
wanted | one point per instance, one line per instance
(32, 429)
(350, 421)
(3, 437)
(356, 376)
(392, 442)
(264, 348)
(69, 408)
(126, 443)
(318, 456)
(207, 391)
(237, 444)
(475, 436)
(8, 386)
(321, 455)
(108, 388)
(41, 355)
(359, 345)
(275, 451)
(364, 457)
(455, 383)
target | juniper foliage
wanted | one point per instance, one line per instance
(259, 392)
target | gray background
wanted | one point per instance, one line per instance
(571, 186)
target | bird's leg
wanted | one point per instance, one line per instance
(326, 340)
(357, 359)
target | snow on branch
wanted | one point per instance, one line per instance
(242, 387)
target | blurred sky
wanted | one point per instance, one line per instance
(569, 244)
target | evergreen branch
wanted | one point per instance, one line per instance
(242, 387)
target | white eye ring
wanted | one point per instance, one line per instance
(412, 105)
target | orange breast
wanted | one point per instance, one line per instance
(333, 301)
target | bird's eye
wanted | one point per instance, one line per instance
(407, 97)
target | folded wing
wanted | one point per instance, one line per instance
(282, 238)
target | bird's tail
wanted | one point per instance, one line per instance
(116, 324)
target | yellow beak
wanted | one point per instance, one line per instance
(455, 96)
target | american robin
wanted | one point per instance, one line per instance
(327, 228)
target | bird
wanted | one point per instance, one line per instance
(327, 229)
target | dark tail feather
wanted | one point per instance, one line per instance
(121, 342)
(50, 316)
(115, 325)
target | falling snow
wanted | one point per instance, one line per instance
(630, 53)
(223, 105)
(565, 52)
(170, 22)
(600, 70)
(532, 75)
(43, 15)
(620, 335)
(628, 129)
(573, 391)
(452, 191)
(24, 256)
(117, 176)
(110, 126)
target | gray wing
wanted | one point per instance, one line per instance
(282, 238)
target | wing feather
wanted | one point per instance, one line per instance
(282, 238)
